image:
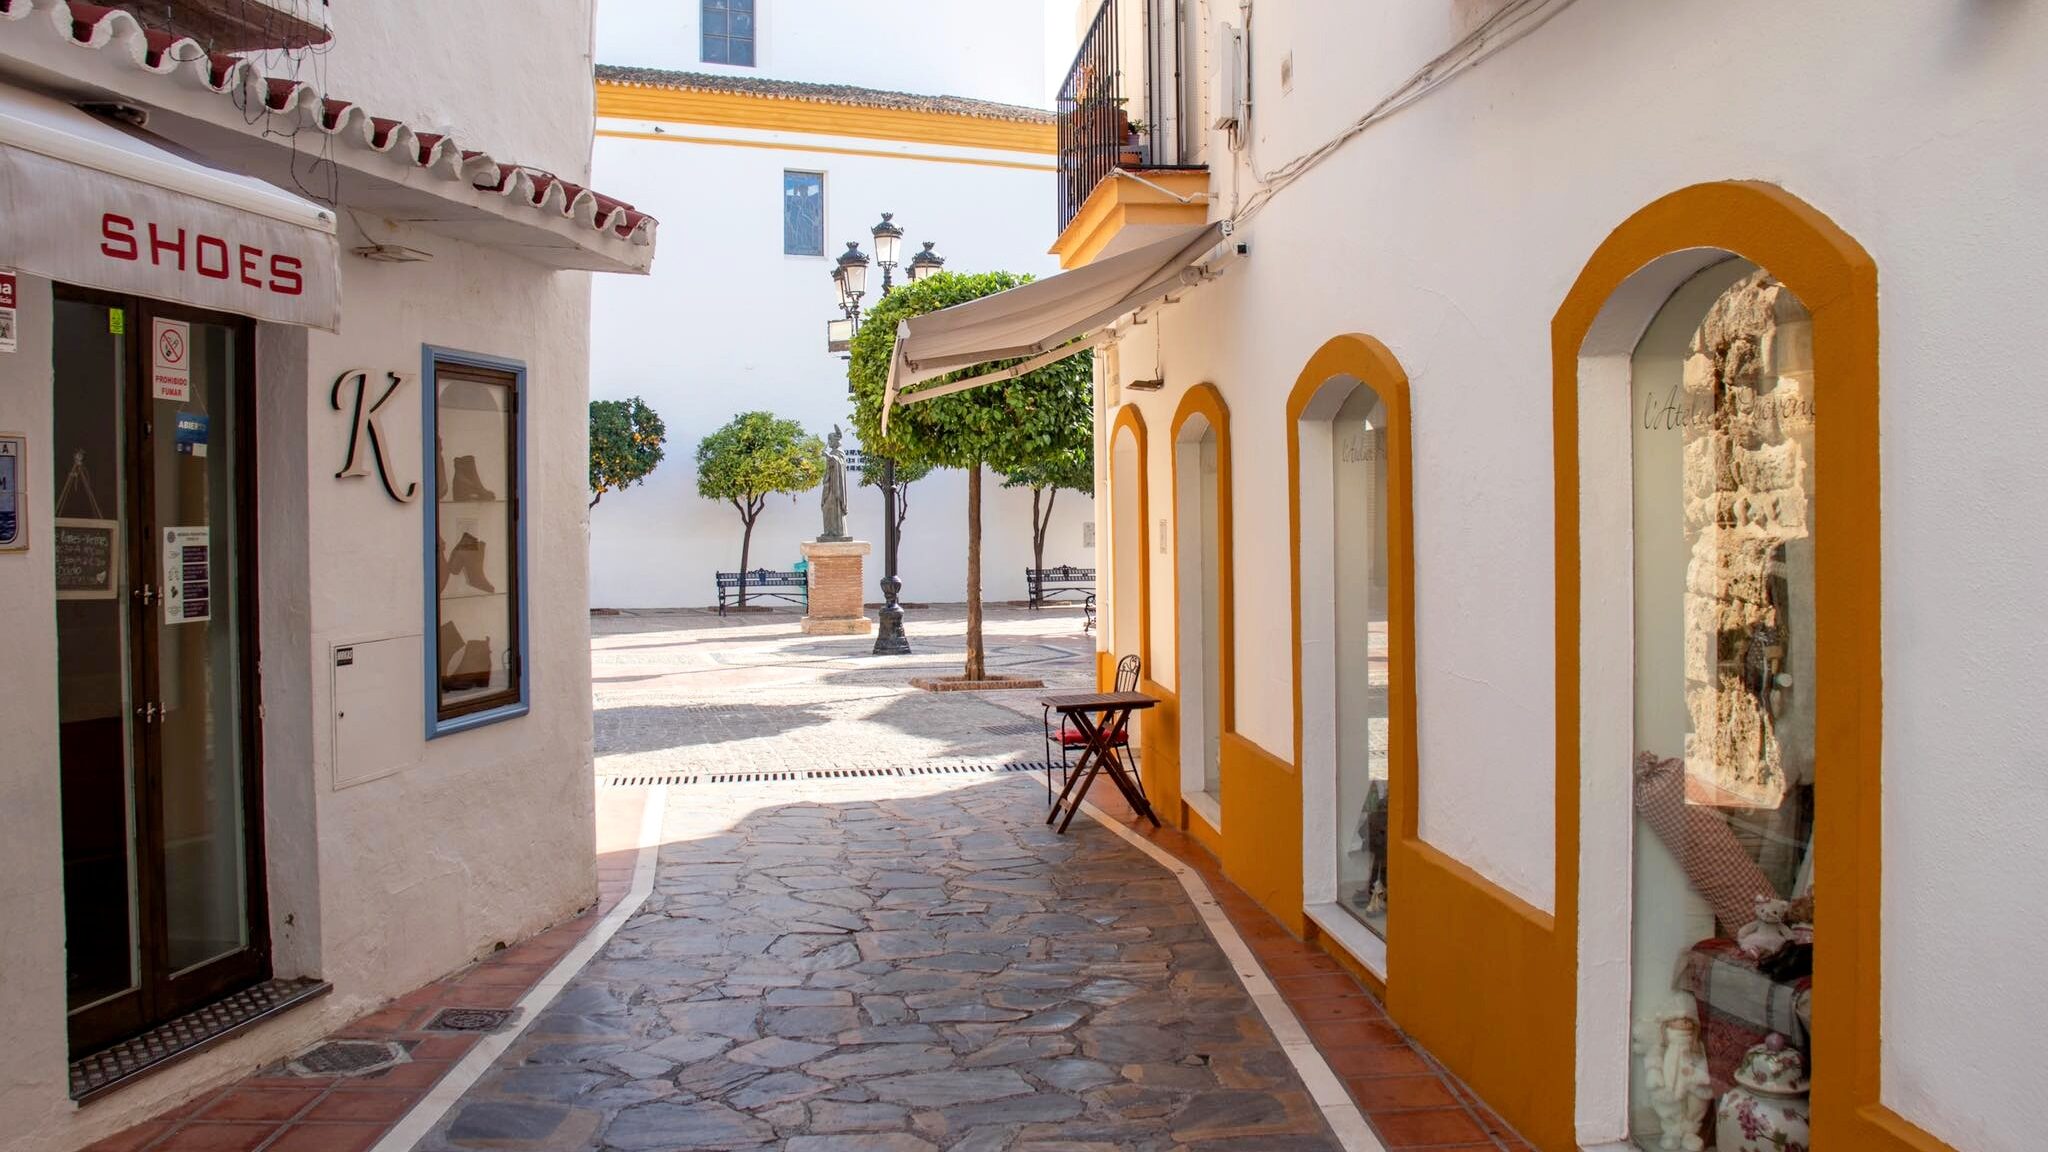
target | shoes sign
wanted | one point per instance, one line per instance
(366, 442)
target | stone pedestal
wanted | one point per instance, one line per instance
(836, 588)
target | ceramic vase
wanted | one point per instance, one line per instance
(1766, 1110)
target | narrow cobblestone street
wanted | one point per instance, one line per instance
(892, 963)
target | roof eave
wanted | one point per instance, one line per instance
(222, 108)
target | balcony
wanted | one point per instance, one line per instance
(1128, 104)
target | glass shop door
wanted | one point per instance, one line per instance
(163, 885)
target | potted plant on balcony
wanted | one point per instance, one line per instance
(1133, 153)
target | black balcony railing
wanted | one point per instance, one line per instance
(1102, 123)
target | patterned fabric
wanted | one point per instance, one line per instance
(1726, 981)
(1715, 863)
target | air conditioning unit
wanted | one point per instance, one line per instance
(1226, 79)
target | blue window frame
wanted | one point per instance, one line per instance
(473, 424)
(803, 213)
(728, 31)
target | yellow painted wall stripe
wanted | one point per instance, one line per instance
(677, 138)
(781, 114)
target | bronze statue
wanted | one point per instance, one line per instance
(833, 501)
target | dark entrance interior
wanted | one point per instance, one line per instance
(152, 466)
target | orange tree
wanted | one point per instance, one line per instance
(753, 457)
(1006, 427)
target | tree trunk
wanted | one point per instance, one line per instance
(1039, 526)
(746, 544)
(977, 660)
(594, 500)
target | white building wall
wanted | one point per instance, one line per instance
(989, 51)
(502, 78)
(1452, 231)
(477, 838)
(728, 324)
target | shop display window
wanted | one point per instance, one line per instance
(1723, 937)
(476, 539)
(1358, 501)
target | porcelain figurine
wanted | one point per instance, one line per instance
(1766, 1110)
(1675, 1072)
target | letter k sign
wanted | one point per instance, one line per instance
(367, 424)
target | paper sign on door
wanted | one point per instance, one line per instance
(170, 359)
(188, 566)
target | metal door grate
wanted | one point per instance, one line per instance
(172, 1041)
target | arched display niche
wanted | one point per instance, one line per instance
(1595, 333)
(1204, 651)
(1351, 523)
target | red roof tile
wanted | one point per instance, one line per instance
(97, 26)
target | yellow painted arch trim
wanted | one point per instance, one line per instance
(1469, 965)
(1128, 417)
(1205, 401)
(1837, 281)
(782, 114)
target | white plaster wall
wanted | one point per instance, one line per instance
(727, 324)
(986, 51)
(31, 846)
(1453, 230)
(488, 836)
(512, 80)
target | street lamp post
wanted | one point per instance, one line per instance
(849, 279)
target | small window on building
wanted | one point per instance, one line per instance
(475, 541)
(728, 32)
(803, 213)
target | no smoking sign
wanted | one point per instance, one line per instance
(170, 368)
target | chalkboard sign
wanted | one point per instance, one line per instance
(88, 558)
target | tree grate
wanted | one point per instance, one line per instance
(347, 1058)
(471, 1019)
(800, 775)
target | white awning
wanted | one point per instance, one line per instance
(92, 202)
(1038, 322)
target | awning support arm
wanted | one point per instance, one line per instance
(1000, 375)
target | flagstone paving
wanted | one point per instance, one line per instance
(927, 968)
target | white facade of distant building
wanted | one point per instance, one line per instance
(735, 324)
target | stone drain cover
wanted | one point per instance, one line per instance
(347, 1058)
(471, 1019)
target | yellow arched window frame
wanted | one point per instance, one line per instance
(1837, 282)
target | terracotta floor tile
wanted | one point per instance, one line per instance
(1392, 1093)
(519, 975)
(390, 1018)
(132, 1139)
(363, 1107)
(483, 995)
(1337, 1008)
(419, 1074)
(1361, 1033)
(1428, 1128)
(1312, 985)
(202, 1136)
(260, 1104)
(1349, 1063)
(1299, 965)
(440, 1046)
(328, 1138)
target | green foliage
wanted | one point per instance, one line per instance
(1007, 426)
(907, 472)
(755, 455)
(625, 444)
(1073, 470)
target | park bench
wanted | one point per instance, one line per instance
(1045, 584)
(793, 587)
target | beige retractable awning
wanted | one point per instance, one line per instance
(1038, 322)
